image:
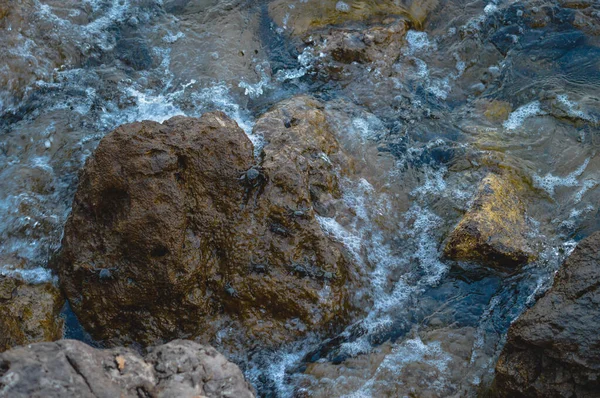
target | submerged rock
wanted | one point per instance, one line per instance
(69, 368)
(177, 232)
(494, 230)
(553, 349)
(309, 15)
(28, 313)
(346, 51)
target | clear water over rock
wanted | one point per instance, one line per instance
(466, 89)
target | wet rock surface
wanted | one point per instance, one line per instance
(494, 230)
(346, 51)
(306, 16)
(176, 231)
(471, 87)
(69, 368)
(28, 313)
(552, 349)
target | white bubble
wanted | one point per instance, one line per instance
(342, 7)
(516, 118)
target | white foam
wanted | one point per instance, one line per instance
(434, 182)
(516, 118)
(342, 6)
(34, 276)
(219, 97)
(153, 107)
(173, 37)
(573, 109)
(363, 238)
(440, 88)
(332, 228)
(549, 182)
(490, 9)
(255, 90)
(422, 68)
(417, 42)
(408, 352)
(585, 187)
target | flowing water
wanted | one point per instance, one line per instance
(473, 86)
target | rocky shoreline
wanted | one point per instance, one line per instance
(69, 368)
(365, 198)
(151, 204)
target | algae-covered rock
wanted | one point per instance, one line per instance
(298, 18)
(69, 368)
(497, 111)
(553, 348)
(494, 230)
(28, 313)
(178, 231)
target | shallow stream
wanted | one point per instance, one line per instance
(472, 86)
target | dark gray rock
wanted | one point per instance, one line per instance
(175, 6)
(553, 349)
(70, 368)
(135, 53)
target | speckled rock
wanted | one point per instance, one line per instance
(70, 368)
(28, 313)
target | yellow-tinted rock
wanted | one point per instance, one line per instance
(28, 313)
(301, 17)
(493, 231)
(498, 111)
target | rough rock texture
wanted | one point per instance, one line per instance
(553, 349)
(28, 313)
(343, 49)
(494, 230)
(70, 368)
(176, 233)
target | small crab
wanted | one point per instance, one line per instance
(279, 229)
(300, 269)
(105, 273)
(327, 275)
(253, 177)
(230, 290)
(261, 267)
(300, 212)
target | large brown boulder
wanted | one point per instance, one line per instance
(494, 230)
(553, 349)
(69, 368)
(176, 232)
(28, 313)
